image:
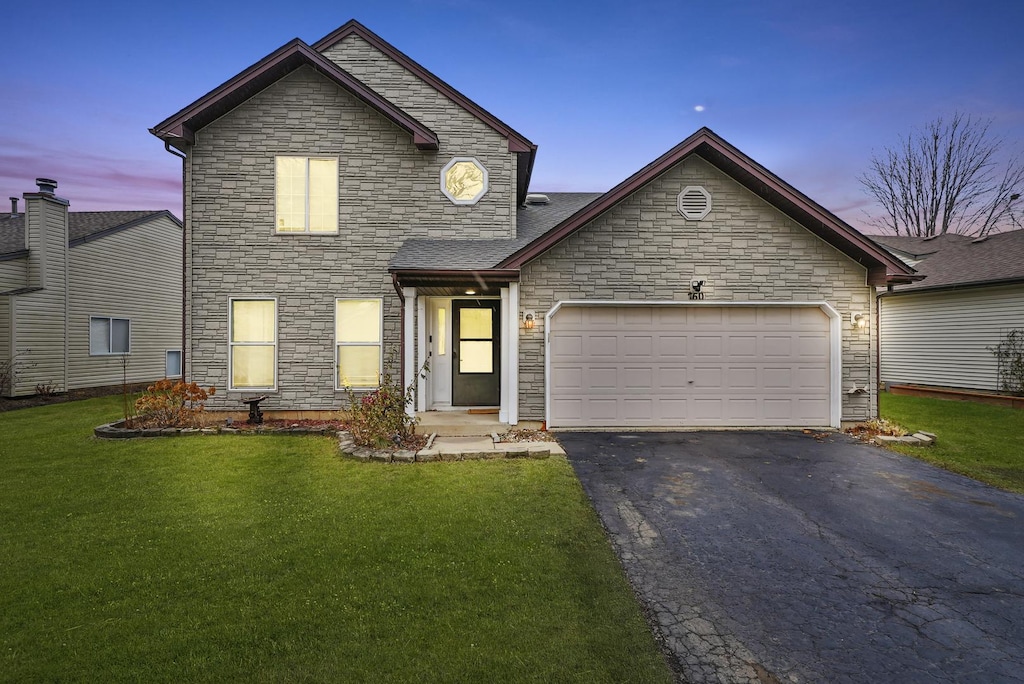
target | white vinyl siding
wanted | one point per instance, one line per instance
(358, 329)
(136, 274)
(109, 336)
(253, 344)
(307, 195)
(942, 338)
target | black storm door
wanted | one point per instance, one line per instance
(476, 359)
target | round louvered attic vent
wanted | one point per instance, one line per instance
(694, 202)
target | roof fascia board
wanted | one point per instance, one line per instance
(692, 145)
(516, 141)
(176, 128)
(954, 286)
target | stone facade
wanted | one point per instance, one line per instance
(745, 250)
(388, 192)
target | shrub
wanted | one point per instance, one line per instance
(1010, 362)
(169, 404)
(378, 420)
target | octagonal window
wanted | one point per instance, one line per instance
(464, 180)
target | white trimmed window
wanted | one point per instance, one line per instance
(253, 344)
(307, 195)
(172, 363)
(109, 336)
(358, 329)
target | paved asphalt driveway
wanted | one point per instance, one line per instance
(783, 556)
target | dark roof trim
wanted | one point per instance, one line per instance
(11, 256)
(124, 226)
(21, 291)
(953, 286)
(179, 129)
(516, 141)
(882, 266)
(414, 277)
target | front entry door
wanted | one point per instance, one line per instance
(476, 357)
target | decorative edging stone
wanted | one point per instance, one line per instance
(916, 439)
(116, 430)
(432, 452)
(347, 446)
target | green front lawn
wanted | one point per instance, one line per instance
(273, 559)
(981, 441)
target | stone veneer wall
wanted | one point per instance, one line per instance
(745, 250)
(389, 191)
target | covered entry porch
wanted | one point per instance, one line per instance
(461, 328)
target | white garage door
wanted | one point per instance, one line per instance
(620, 366)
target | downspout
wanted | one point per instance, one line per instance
(184, 253)
(401, 327)
(878, 355)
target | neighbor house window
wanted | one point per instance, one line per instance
(172, 363)
(109, 336)
(253, 346)
(307, 195)
(357, 324)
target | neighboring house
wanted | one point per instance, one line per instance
(347, 211)
(939, 331)
(82, 291)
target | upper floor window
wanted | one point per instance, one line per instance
(109, 336)
(307, 195)
(464, 180)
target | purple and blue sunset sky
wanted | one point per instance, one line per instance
(807, 88)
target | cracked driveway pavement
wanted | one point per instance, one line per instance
(792, 557)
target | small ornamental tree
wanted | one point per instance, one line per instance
(378, 419)
(1010, 362)
(169, 404)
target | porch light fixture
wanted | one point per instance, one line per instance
(471, 292)
(529, 320)
(859, 320)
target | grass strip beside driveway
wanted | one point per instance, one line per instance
(980, 441)
(273, 559)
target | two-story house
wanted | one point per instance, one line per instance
(348, 211)
(87, 298)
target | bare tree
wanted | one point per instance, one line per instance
(947, 177)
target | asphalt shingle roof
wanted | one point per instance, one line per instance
(81, 224)
(532, 221)
(956, 260)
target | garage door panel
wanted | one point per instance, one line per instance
(602, 346)
(689, 365)
(670, 346)
(565, 346)
(641, 378)
(742, 378)
(637, 345)
(741, 346)
(704, 346)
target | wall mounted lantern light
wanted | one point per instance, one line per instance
(859, 320)
(529, 320)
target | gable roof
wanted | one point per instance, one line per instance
(179, 129)
(516, 141)
(883, 267)
(83, 226)
(954, 261)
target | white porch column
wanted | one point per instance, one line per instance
(509, 412)
(409, 342)
(421, 352)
